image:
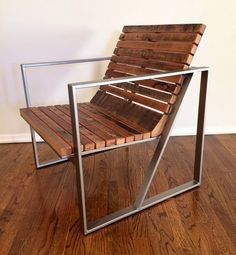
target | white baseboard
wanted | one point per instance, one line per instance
(25, 137)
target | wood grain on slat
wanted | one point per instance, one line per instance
(135, 88)
(142, 116)
(142, 71)
(160, 46)
(97, 140)
(164, 86)
(160, 37)
(152, 54)
(137, 98)
(176, 28)
(149, 63)
(129, 130)
(56, 142)
(108, 123)
(145, 133)
(56, 114)
(61, 132)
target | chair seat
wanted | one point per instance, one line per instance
(99, 127)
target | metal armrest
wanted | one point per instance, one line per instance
(38, 64)
(113, 81)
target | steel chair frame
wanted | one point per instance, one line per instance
(140, 203)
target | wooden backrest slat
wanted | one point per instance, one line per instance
(185, 47)
(147, 91)
(174, 57)
(162, 37)
(158, 105)
(147, 50)
(139, 71)
(176, 28)
(149, 63)
(163, 86)
(140, 115)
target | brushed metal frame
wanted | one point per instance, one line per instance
(140, 202)
(39, 164)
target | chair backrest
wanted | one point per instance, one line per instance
(145, 50)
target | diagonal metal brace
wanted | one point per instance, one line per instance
(141, 203)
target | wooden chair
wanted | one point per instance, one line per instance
(145, 82)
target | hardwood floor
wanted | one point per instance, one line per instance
(39, 213)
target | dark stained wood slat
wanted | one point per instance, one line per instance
(163, 107)
(133, 125)
(91, 109)
(115, 125)
(56, 114)
(61, 147)
(61, 132)
(168, 87)
(97, 140)
(149, 63)
(112, 136)
(109, 140)
(109, 123)
(142, 116)
(157, 37)
(147, 91)
(163, 86)
(152, 54)
(86, 123)
(177, 28)
(142, 71)
(159, 46)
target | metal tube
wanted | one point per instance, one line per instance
(140, 202)
(64, 62)
(77, 156)
(152, 168)
(89, 84)
(39, 164)
(123, 213)
(200, 128)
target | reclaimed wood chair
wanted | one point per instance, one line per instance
(145, 82)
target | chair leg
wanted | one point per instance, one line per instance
(200, 128)
(141, 203)
(45, 163)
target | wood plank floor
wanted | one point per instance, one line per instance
(39, 214)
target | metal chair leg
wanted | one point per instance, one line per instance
(141, 203)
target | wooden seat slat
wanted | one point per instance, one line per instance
(144, 133)
(58, 115)
(120, 132)
(56, 142)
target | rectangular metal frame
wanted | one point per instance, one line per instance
(140, 203)
(24, 67)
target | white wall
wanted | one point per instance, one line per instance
(47, 30)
